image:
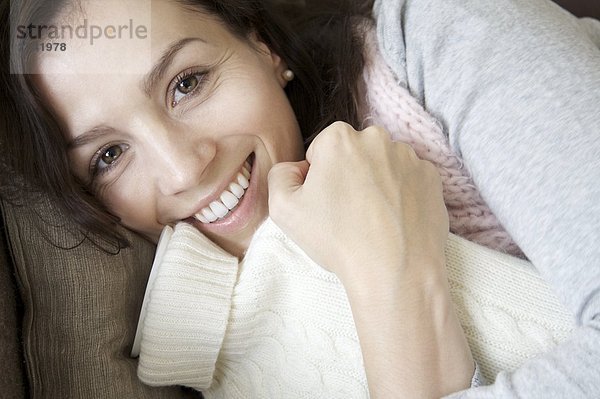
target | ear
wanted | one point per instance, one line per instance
(274, 61)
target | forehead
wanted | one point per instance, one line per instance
(115, 36)
(89, 81)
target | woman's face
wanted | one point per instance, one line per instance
(170, 144)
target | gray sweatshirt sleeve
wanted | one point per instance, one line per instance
(516, 85)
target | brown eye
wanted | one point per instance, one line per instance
(106, 158)
(111, 154)
(187, 85)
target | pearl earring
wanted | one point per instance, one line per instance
(288, 75)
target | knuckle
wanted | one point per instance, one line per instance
(334, 135)
(376, 140)
(339, 126)
(339, 130)
(377, 131)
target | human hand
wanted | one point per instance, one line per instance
(369, 210)
(360, 199)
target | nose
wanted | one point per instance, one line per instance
(177, 157)
(182, 164)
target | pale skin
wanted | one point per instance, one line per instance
(163, 162)
(397, 284)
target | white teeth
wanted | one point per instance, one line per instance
(236, 189)
(201, 218)
(228, 199)
(242, 181)
(208, 214)
(219, 209)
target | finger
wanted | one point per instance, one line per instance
(287, 176)
(310, 152)
(329, 138)
(283, 180)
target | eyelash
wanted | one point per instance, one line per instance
(201, 76)
(95, 170)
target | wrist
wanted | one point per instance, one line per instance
(410, 315)
(394, 277)
(406, 294)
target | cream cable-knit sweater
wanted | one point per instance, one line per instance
(277, 325)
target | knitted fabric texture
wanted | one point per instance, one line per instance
(391, 105)
(188, 312)
(289, 330)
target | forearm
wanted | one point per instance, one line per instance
(386, 243)
(530, 69)
(411, 340)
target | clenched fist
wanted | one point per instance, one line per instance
(361, 201)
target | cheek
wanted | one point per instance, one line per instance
(285, 146)
(277, 126)
(135, 207)
(285, 142)
(253, 107)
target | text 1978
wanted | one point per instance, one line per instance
(53, 46)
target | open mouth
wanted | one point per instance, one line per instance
(230, 197)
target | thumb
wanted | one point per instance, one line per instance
(287, 176)
(284, 179)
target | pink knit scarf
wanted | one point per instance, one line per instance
(390, 105)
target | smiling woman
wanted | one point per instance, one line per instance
(194, 72)
(201, 128)
(168, 147)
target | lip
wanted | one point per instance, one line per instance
(241, 214)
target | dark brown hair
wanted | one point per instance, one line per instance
(319, 42)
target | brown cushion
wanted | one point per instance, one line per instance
(81, 308)
(11, 367)
(581, 8)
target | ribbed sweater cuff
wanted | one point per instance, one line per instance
(186, 310)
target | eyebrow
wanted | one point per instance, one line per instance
(164, 62)
(88, 137)
(150, 82)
